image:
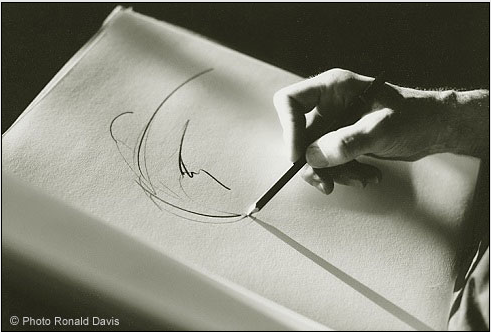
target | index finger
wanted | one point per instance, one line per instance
(292, 103)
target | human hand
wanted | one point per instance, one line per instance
(400, 124)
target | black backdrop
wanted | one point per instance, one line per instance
(418, 44)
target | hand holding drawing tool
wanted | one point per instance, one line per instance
(351, 114)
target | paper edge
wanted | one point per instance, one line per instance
(296, 320)
(79, 55)
(203, 38)
(71, 63)
(68, 266)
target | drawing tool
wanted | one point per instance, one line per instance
(352, 113)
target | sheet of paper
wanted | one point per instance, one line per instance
(122, 270)
(170, 137)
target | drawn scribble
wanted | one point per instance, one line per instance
(184, 170)
(172, 200)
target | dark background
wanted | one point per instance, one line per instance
(419, 45)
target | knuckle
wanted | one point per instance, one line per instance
(342, 75)
(279, 97)
(345, 147)
(353, 145)
(380, 123)
(338, 71)
(334, 75)
(284, 100)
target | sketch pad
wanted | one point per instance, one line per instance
(149, 122)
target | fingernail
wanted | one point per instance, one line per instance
(315, 157)
(320, 186)
(316, 178)
(355, 183)
(374, 180)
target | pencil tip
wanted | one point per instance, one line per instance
(252, 209)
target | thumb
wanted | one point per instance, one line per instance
(339, 147)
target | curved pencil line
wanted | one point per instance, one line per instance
(147, 126)
(146, 190)
(144, 158)
(174, 194)
(154, 202)
(191, 199)
(116, 141)
(139, 177)
(197, 213)
(144, 185)
(112, 123)
(228, 222)
(214, 178)
(189, 211)
(139, 158)
(182, 188)
(135, 155)
(182, 167)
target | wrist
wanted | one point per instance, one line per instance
(466, 118)
(445, 121)
(427, 112)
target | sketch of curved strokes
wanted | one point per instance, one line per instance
(173, 193)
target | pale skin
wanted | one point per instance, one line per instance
(400, 124)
